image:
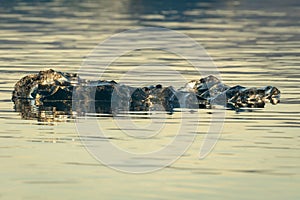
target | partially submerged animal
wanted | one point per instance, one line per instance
(53, 89)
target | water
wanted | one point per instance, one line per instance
(253, 43)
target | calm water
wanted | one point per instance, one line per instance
(252, 43)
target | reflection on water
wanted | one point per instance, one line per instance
(254, 43)
(57, 111)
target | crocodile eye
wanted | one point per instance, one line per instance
(159, 86)
(268, 89)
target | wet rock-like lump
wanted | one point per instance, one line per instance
(57, 89)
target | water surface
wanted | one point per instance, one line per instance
(253, 43)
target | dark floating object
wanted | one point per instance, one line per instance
(49, 94)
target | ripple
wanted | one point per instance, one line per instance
(253, 43)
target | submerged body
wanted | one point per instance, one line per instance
(57, 89)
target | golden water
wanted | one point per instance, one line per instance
(253, 43)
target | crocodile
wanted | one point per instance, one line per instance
(54, 90)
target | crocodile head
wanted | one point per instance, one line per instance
(272, 94)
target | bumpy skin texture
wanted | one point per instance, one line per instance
(55, 90)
